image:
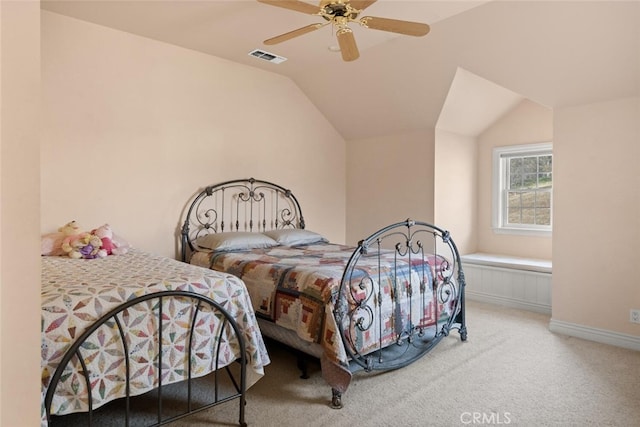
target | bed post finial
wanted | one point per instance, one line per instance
(364, 247)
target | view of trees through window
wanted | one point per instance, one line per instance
(529, 190)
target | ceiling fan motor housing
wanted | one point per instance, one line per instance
(332, 9)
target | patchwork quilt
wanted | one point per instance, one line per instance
(297, 288)
(77, 292)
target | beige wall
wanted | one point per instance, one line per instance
(596, 240)
(19, 214)
(152, 116)
(455, 194)
(527, 123)
(133, 127)
(389, 179)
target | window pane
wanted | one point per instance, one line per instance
(528, 216)
(515, 165)
(543, 199)
(544, 164)
(530, 165)
(544, 180)
(514, 199)
(528, 199)
(515, 182)
(530, 180)
(514, 215)
(543, 216)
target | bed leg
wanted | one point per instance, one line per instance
(461, 317)
(302, 365)
(243, 403)
(336, 399)
(463, 333)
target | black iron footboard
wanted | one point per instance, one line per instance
(401, 293)
(114, 321)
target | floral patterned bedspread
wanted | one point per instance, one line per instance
(296, 288)
(76, 292)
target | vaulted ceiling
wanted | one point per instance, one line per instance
(555, 53)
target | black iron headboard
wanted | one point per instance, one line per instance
(240, 205)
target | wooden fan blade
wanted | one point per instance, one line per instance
(295, 33)
(298, 6)
(395, 26)
(347, 44)
(361, 4)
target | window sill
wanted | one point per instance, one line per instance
(523, 231)
(505, 261)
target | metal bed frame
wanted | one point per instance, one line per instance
(239, 205)
(113, 318)
(256, 205)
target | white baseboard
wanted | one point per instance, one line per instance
(507, 302)
(593, 334)
(519, 285)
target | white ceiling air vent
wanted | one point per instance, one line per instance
(270, 57)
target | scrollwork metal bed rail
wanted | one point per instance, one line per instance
(360, 297)
(113, 320)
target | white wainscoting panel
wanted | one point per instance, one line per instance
(512, 287)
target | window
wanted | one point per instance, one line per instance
(523, 183)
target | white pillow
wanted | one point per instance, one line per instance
(295, 236)
(235, 241)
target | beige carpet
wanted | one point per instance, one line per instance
(511, 371)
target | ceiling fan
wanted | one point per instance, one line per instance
(340, 13)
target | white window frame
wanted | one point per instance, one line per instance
(500, 176)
